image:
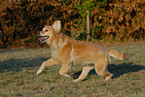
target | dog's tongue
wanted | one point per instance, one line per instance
(42, 38)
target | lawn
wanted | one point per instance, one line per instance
(18, 77)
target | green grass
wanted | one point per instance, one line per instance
(18, 76)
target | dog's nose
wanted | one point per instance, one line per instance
(38, 33)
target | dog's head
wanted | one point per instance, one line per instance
(48, 31)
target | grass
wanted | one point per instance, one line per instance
(18, 76)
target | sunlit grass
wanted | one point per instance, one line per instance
(18, 76)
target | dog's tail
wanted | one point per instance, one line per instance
(118, 55)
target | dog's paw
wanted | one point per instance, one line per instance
(66, 75)
(76, 80)
(107, 78)
(38, 72)
(73, 81)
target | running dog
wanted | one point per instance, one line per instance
(68, 52)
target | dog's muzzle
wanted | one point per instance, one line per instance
(42, 39)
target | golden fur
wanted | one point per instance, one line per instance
(68, 52)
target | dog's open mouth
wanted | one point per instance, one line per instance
(42, 39)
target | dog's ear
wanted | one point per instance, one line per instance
(57, 26)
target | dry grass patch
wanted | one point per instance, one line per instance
(18, 76)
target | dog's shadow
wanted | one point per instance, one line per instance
(20, 64)
(117, 70)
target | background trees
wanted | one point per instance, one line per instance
(119, 20)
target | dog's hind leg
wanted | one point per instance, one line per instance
(86, 70)
(49, 62)
(101, 67)
(64, 69)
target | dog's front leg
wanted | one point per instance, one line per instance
(64, 69)
(49, 62)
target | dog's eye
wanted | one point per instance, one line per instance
(46, 30)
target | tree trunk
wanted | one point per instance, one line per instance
(88, 26)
